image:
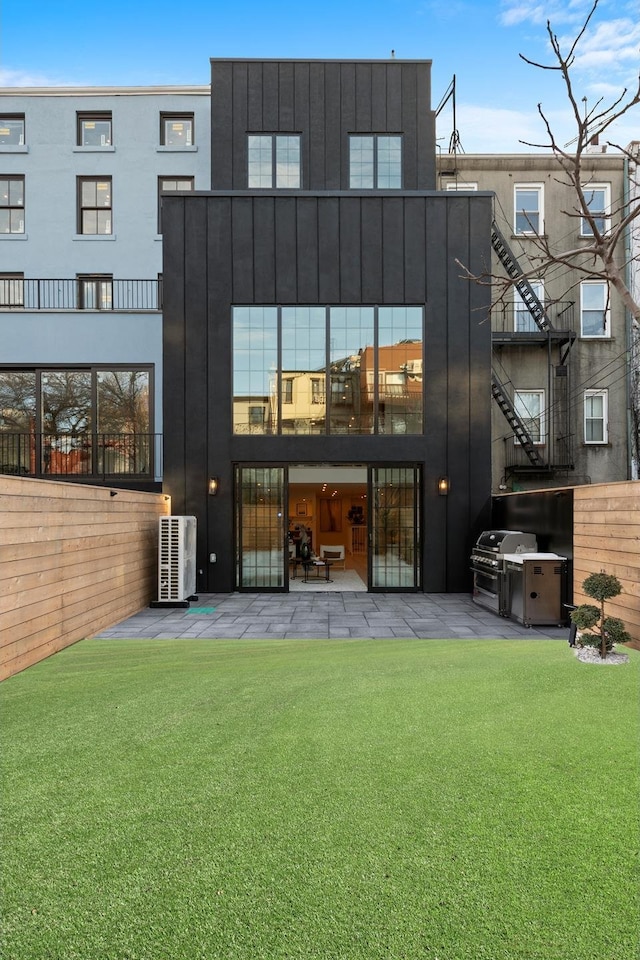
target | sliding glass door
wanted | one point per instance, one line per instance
(394, 560)
(261, 528)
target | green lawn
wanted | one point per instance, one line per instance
(458, 800)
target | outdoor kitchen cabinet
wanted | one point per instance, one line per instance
(537, 584)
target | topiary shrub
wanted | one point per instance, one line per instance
(596, 630)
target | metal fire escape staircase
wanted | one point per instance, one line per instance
(537, 311)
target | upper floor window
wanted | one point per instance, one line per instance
(375, 162)
(177, 130)
(594, 308)
(11, 204)
(274, 160)
(94, 129)
(95, 291)
(94, 205)
(528, 208)
(595, 416)
(598, 198)
(529, 405)
(171, 184)
(523, 321)
(12, 130)
(11, 290)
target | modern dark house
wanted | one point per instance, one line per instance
(326, 366)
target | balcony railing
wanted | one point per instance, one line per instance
(519, 324)
(556, 454)
(91, 456)
(99, 293)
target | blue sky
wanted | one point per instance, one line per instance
(147, 42)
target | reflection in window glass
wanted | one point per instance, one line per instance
(394, 523)
(17, 422)
(123, 401)
(389, 162)
(260, 526)
(288, 161)
(260, 163)
(375, 161)
(399, 358)
(351, 336)
(361, 168)
(66, 402)
(303, 358)
(255, 367)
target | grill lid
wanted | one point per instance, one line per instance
(507, 541)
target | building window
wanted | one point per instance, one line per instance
(523, 321)
(94, 205)
(598, 198)
(529, 405)
(375, 162)
(177, 130)
(11, 204)
(273, 161)
(528, 207)
(11, 290)
(594, 308)
(95, 291)
(94, 129)
(287, 390)
(595, 416)
(170, 185)
(12, 130)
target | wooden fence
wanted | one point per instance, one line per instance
(73, 560)
(606, 536)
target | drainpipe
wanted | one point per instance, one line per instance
(633, 465)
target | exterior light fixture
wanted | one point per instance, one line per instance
(214, 483)
(443, 486)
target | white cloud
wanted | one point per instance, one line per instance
(515, 12)
(23, 78)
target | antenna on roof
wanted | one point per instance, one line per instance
(393, 54)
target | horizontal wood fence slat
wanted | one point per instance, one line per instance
(73, 560)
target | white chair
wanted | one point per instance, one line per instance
(334, 554)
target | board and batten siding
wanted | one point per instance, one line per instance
(73, 560)
(606, 525)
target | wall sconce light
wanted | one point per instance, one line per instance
(443, 486)
(214, 483)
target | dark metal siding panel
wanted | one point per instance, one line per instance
(394, 98)
(317, 131)
(285, 250)
(307, 249)
(286, 98)
(242, 249)
(425, 132)
(347, 119)
(333, 147)
(239, 105)
(270, 96)
(363, 98)
(254, 98)
(350, 250)
(329, 250)
(372, 250)
(173, 350)
(415, 262)
(221, 133)
(393, 250)
(264, 264)
(302, 104)
(378, 97)
(409, 128)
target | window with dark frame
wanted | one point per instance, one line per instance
(177, 130)
(95, 291)
(170, 185)
(94, 206)
(12, 130)
(94, 129)
(273, 160)
(11, 204)
(375, 161)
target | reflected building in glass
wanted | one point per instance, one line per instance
(316, 323)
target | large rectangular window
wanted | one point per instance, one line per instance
(170, 185)
(12, 130)
(375, 162)
(528, 208)
(319, 370)
(530, 407)
(177, 130)
(11, 204)
(598, 198)
(94, 129)
(273, 161)
(94, 206)
(595, 416)
(594, 308)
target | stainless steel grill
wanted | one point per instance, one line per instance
(488, 564)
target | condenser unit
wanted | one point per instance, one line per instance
(176, 559)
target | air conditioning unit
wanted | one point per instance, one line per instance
(176, 559)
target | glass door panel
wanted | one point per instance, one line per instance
(260, 528)
(395, 528)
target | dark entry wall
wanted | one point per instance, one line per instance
(324, 101)
(292, 247)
